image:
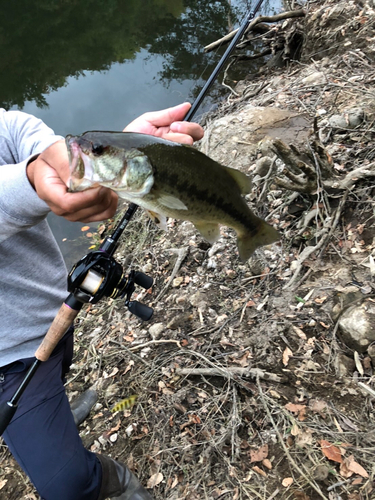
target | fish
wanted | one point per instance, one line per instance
(169, 179)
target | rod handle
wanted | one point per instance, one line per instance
(59, 326)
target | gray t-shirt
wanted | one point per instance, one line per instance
(32, 270)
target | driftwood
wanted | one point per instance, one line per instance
(260, 19)
(230, 372)
(311, 170)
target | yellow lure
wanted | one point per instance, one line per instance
(125, 404)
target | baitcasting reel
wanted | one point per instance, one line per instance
(98, 275)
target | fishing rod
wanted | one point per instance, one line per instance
(99, 275)
(241, 31)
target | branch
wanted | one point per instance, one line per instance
(254, 22)
(230, 372)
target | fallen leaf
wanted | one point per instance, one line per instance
(259, 454)
(85, 228)
(354, 466)
(300, 495)
(155, 479)
(267, 463)
(287, 354)
(259, 471)
(287, 481)
(295, 408)
(3, 482)
(320, 300)
(330, 451)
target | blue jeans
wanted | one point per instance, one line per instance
(42, 435)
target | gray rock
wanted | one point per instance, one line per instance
(344, 366)
(156, 330)
(357, 326)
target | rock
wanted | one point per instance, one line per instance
(344, 366)
(351, 118)
(338, 121)
(179, 320)
(357, 326)
(156, 330)
(316, 78)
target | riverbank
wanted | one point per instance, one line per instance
(250, 382)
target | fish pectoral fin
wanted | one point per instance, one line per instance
(242, 180)
(209, 230)
(169, 201)
(158, 219)
(248, 242)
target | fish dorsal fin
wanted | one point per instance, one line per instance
(242, 180)
(170, 201)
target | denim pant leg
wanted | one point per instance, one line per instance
(42, 435)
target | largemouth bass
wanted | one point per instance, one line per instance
(169, 179)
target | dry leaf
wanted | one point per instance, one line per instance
(300, 495)
(260, 471)
(267, 463)
(259, 454)
(295, 408)
(287, 481)
(3, 482)
(287, 354)
(155, 479)
(85, 228)
(331, 451)
(354, 466)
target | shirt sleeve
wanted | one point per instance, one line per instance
(22, 136)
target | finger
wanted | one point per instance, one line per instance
(192, 129)
(70, 204)
(181, 138)
(165, 117)
(103, 209)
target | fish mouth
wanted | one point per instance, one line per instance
(81, 172)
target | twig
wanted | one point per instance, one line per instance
(230, 372)
(367, 388)
(181, 254)
(281, 440)
(154, 342)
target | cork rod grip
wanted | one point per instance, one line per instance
(60, 324)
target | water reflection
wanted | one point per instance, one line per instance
(86, 65)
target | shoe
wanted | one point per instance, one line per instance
(81, 406)
(119, 483)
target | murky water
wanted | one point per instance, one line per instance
(94, 65)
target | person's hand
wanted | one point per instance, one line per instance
(168, 124)
(48, 175)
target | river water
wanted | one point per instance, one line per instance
(93, 65)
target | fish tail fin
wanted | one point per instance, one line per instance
(248, 242)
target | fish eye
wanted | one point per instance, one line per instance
(97, 149)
